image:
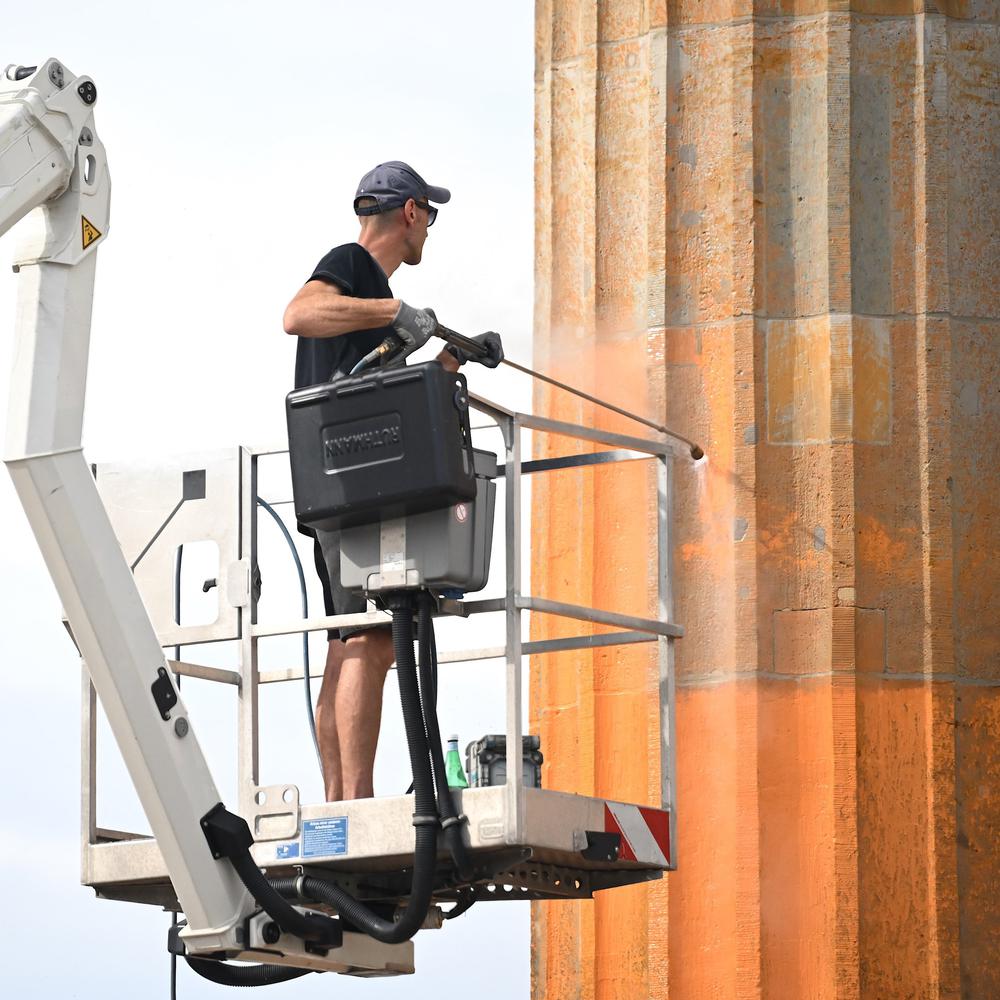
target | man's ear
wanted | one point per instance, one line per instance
(410, 210)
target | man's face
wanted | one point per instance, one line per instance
(417, 217)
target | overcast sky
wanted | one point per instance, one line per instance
(236, 134)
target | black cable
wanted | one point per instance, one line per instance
(305, 635)
(173, 961)
(177, 656)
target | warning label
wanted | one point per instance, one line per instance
(323, 838)
(284, 851)
(90, 232)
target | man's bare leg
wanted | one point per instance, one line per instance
(349, 712)
(367, 658)
(326, 722)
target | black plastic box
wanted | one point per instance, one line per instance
(381, 445)
(486, 761)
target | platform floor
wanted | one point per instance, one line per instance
(367, 846)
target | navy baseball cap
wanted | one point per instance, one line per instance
(392, 184)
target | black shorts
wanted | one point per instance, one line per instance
(336, 600)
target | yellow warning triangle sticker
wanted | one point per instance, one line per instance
(90, 232)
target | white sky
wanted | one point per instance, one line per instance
(236, 135)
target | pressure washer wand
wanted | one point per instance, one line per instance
(475, 350)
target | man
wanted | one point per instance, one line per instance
(345, 310)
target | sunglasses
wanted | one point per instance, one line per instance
(432, 212)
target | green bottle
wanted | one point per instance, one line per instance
(453, 770)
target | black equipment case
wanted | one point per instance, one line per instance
(381, 445)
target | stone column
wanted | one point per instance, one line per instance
(775, 226)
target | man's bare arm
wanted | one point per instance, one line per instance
(323, 310)
(320, 309)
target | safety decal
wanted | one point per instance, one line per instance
(90, 232)
(284, 851)
(645, 832)
(322, 838)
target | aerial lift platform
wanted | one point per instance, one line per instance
(110, 535)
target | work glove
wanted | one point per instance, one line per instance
(494, 350)
(414, 326)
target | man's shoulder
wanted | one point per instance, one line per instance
(346, 252)
(351, 249)
(350, 257)
(346, 266)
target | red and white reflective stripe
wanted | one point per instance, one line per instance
(645, 832)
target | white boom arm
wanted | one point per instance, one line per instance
(52, 161)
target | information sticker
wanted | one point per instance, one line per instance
(323, 838)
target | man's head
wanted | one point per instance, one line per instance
(393, 201)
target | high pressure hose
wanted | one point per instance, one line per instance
(425, 818)
(451, 821)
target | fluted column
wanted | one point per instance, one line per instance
(774, 226)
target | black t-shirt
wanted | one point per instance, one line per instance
(356, 273)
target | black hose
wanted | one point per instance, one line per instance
(425, 818)
(244, 975)
(362, 916)
(310, 926)
(305, 635)
(450, 820)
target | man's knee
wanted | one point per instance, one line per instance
(374, 646)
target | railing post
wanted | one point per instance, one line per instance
(665, 644)
(248, 763)
(514, 792)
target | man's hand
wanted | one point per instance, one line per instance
(490, 341)
(414, 326)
